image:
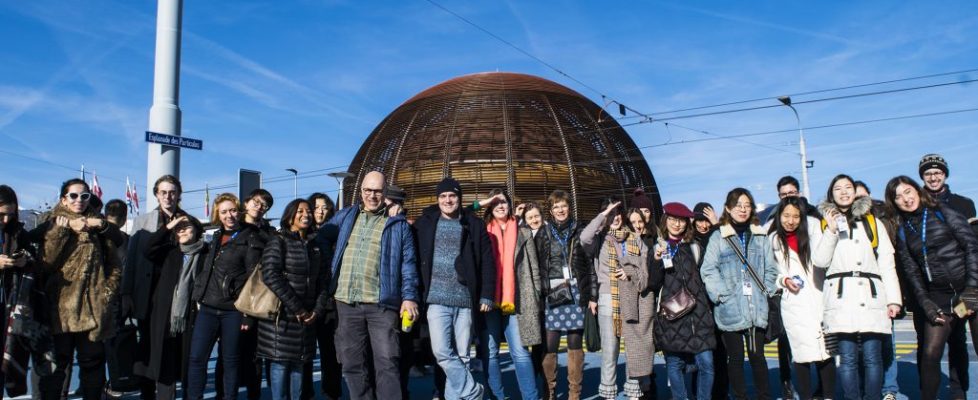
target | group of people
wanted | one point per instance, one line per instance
(378, 294)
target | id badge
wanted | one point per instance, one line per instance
(667, 262)
(748, 289)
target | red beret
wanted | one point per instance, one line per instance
(677, 210)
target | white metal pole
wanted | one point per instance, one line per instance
(804, 155)
(164, 115)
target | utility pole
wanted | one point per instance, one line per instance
(164, 115)
(804, 150)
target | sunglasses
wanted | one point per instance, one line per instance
(76, 195)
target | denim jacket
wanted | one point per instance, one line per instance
(724, 274)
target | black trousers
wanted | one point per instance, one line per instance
(91, 366)
(734, 343)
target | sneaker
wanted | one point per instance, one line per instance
(113, 394)
(416, 372)
(890, 396)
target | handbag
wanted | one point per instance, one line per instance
(561, 294)
(592, 333)
(775, 326)
(678, 304)
(120, 357)
(256, 299)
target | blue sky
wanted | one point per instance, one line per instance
(300, 84)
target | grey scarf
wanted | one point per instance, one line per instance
(181, 293)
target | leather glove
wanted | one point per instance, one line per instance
(931, 310)
(970, 298)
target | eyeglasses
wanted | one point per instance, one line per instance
(74, 196)
(742, 206)
(372, 192)
(792, 193)
(261, 205)
(933, 174)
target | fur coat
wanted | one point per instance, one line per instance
(83, 275)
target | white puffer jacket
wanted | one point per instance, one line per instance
(850, 306)
(802, 312)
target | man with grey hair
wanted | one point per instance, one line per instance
(374, 281)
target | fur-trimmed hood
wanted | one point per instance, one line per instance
(860, 207)
(727, 230)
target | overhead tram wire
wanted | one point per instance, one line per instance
(810, 92)
(282, 178)
(609, 100)
(843, 97)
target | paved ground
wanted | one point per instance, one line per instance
(421, 388)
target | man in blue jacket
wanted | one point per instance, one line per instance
(374, 279)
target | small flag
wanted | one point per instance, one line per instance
(135, 198)
(207, 201)
(96, 189)
(129, 195)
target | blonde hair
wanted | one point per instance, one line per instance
(215, 218)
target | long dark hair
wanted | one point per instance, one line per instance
(828, 193)
(926, 200)
(804, 242)
(8, 197)
(732, 197)
(291, 210)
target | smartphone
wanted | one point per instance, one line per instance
(961, 310)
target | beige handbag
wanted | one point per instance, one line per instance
(257, 300)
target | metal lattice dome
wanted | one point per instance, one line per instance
(517, 132)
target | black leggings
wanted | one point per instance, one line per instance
(575, 340)
(826, 377)
(931, 349)
(734, 342)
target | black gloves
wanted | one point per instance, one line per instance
(931, 310)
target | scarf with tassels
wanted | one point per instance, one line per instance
(503, 237)
(620, 243)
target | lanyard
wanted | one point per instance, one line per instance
(672, 250)
(923, 241)
(562, 239)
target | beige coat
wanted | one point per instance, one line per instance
(637, 314)
(82, 273)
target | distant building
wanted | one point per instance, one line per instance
(517, 132)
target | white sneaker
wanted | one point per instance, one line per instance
(890, 396)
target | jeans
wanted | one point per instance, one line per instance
(498, 326)
(676, 367)
(890, 384)
(331, 380)
(868, 348)
(212, 323)
(451, 332)
(285, 380)
(370, 326)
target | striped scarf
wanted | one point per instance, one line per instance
(615, 239)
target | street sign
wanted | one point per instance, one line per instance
(177, 141)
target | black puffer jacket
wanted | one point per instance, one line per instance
(952, 254)
(298, 277)
(694, 332)
(227, 267)
(550, 261)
